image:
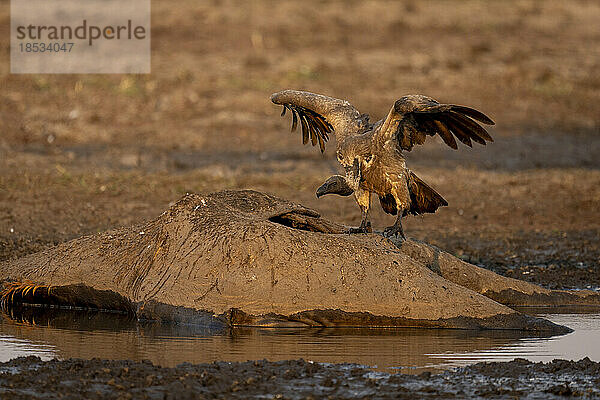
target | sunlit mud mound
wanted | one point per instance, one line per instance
(248, 258)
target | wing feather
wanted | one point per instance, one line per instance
(418, 136)
(314, 126)
(407, 136)
(472, 126)
(471, 112)
(323, 125)
(412, 118)
(465, 139)
(313, 134)
(294, 121)
(304, 128)
(460, 130)
(445, 134)
(320, 116)
(321, 142)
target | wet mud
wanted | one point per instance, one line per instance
(31, 378)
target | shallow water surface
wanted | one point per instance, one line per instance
(65, 334)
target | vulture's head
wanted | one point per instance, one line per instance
(336, 184)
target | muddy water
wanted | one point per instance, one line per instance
(79, 334)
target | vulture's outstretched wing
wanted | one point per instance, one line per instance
(313, 125)
(320, 115)
(413, 118)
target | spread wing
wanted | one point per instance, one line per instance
(320, 116)
(313, 124)
(413, 118)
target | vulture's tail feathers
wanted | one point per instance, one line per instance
(388, 203)
(422, 197)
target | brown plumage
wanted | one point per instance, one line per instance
(371, 154)
(423, 199)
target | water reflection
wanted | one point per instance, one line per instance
(583, 342)
(85, 334)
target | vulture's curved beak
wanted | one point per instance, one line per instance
(324, 189)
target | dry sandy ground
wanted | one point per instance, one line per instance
(84, 153)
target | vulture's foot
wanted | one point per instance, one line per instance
(394, 231)
(365, 227)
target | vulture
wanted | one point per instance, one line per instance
(371, 153)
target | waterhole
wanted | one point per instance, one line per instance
(85, 334)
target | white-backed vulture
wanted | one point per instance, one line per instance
(371, 154)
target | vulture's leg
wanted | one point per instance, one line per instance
(402, 198)
(363, 198)
(396, 229)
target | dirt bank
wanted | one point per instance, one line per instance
(31, 378)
